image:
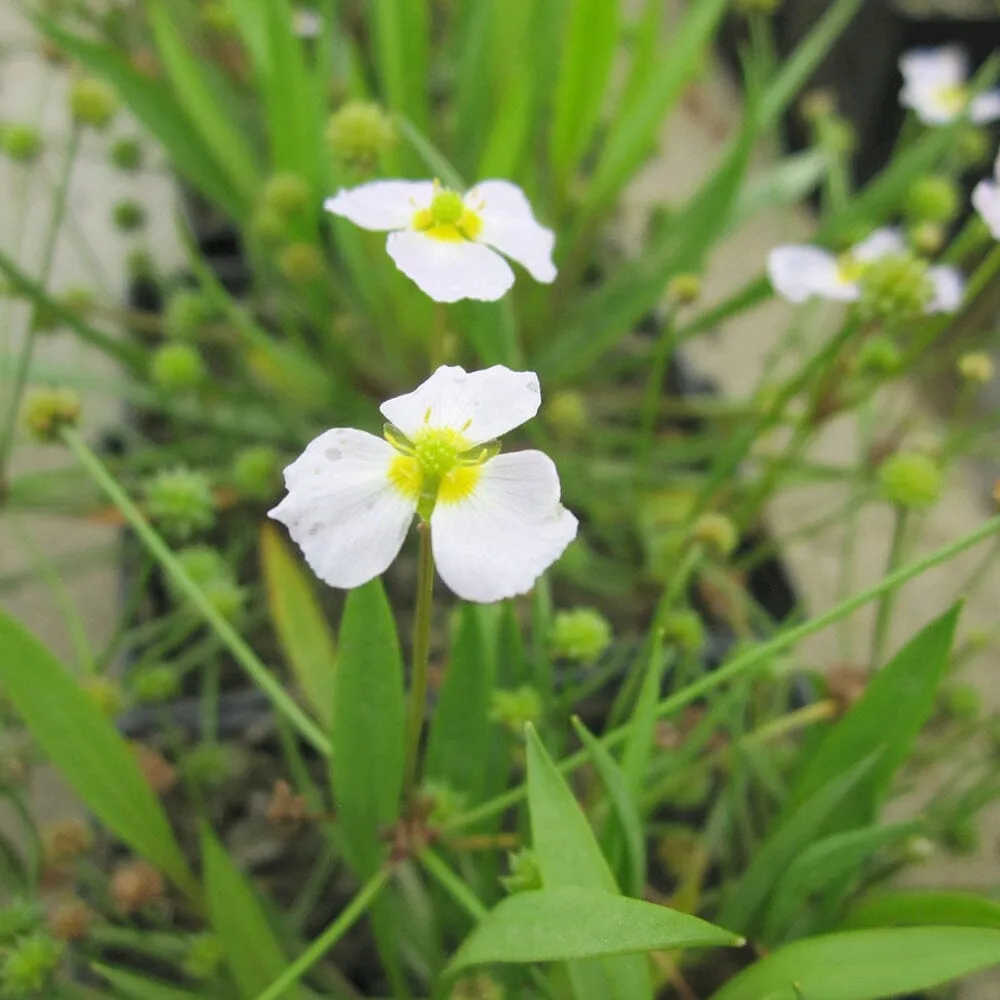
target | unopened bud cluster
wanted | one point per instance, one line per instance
(360, 133)
(911, 480)
(895, 288)
(581, 634)
(180, 502)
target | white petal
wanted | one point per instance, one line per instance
(450, 270)
(510, 226)
(949, 287)
(986, 198)
(341, 508)
(382, 205)
(800, 272)
(985, 108)
(881, 243)
(480, 405)
(307, 23)
(497, 542)
(946, 66)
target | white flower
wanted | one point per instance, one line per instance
(935, 86)
(447, 242)
(986, 198)
(307, 23)
(496, 520)
(799, 272)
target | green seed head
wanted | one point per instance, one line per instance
(126, 154)
(962, 702)
(20, 143)
(106, 694)
(977, 367)
(581, 634)
(207, 764)
(911, 480)
(154, 684)
(686, 630)
(895, 288)
(360, 133)
(180, 502)
(972, 147)
(92, 102)
(270, 227)
(255, 471)
(684, 289)
(717, 533)
(879, 356)
(129, 216)
(934, 198)
(29, 965)
(187, 312)
(514, 708)
(927, 237)
(565, 411)
(177, 367)
(301, 263)
(204, 958)
(46, 411)
(286, 195)
(447, 207)
(214, 577)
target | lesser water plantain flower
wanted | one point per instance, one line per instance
(935, 86)
(986, 198)
(495, 519)
(447, 242)
(800, 272)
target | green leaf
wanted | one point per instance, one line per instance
(132, 987)
(87, 750)
(866, 965)
(512, 668)
(435, 161)
(587, 49)
(368, 726)
(401, 34)
(461, 734)
(569, 856)
(555, 925)
(200, 102)
(888, 717)
(302, 628)
(625, 825)
(785, 183)
(252, 952)
(744, 898)
(924, 907)
(155, 106)
(832, 863)
(639, 744)
(472, 85)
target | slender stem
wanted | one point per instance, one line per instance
(745, 662)
(421, 650)
(452, 884)
(30, 334)
(328, 938)
(241, 652)
(887, 600)
(662, 352)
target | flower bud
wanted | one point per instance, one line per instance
(581, 634)
(106, 693)
(180, 502)
(932, 198)
(29, 965)
(204, 958)
(286, 195)
(895, 288)
(684, 289)
(64, 841)
(46, 411)
(961, 702)
(176, 367)
(976, 367)
(911, 480)
(126, 154)
(128, 216)
(20, 143)
(134, 885)
(360, 133)
(71, 920)
(565, 411)
(154, 684)
(92, 102)
(478, 986)
(186, 313)
(879, 356)
(525, 874)
(255, 471)
(685, 630)
(301, 263)
(927, 237)
(514, 708)
(717, 533)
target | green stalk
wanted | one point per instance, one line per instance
(452, 884)
(9, 424)
(887, 600)
(328, 938)
(661, 359)
(242, 653)
(421, 651)
(745, 662)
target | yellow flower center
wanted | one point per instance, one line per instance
(849, 269)
(954, 98)
(438, 465)
(448, 218)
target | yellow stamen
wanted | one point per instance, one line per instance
(459, 483)
(448, 218)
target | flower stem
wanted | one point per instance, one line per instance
(421, 650)
(887, 600)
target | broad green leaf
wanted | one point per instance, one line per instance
(924, 907)
(252, 952)
(554, 925)
(832, 863)
(624, 832)
(743, 899)
(129, 986)
(569, 856)
(894, 708)
(156, 107)
(87, 750)
(589, 41)
(201, 104)
(366, 768)
(305, 636)
(635, 128)
(866, 965)
(461, 734)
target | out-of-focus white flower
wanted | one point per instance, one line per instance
(800, 272)
(935, 86)
(496, 520)
(307, 23)
(986, 198)
(448, 242)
